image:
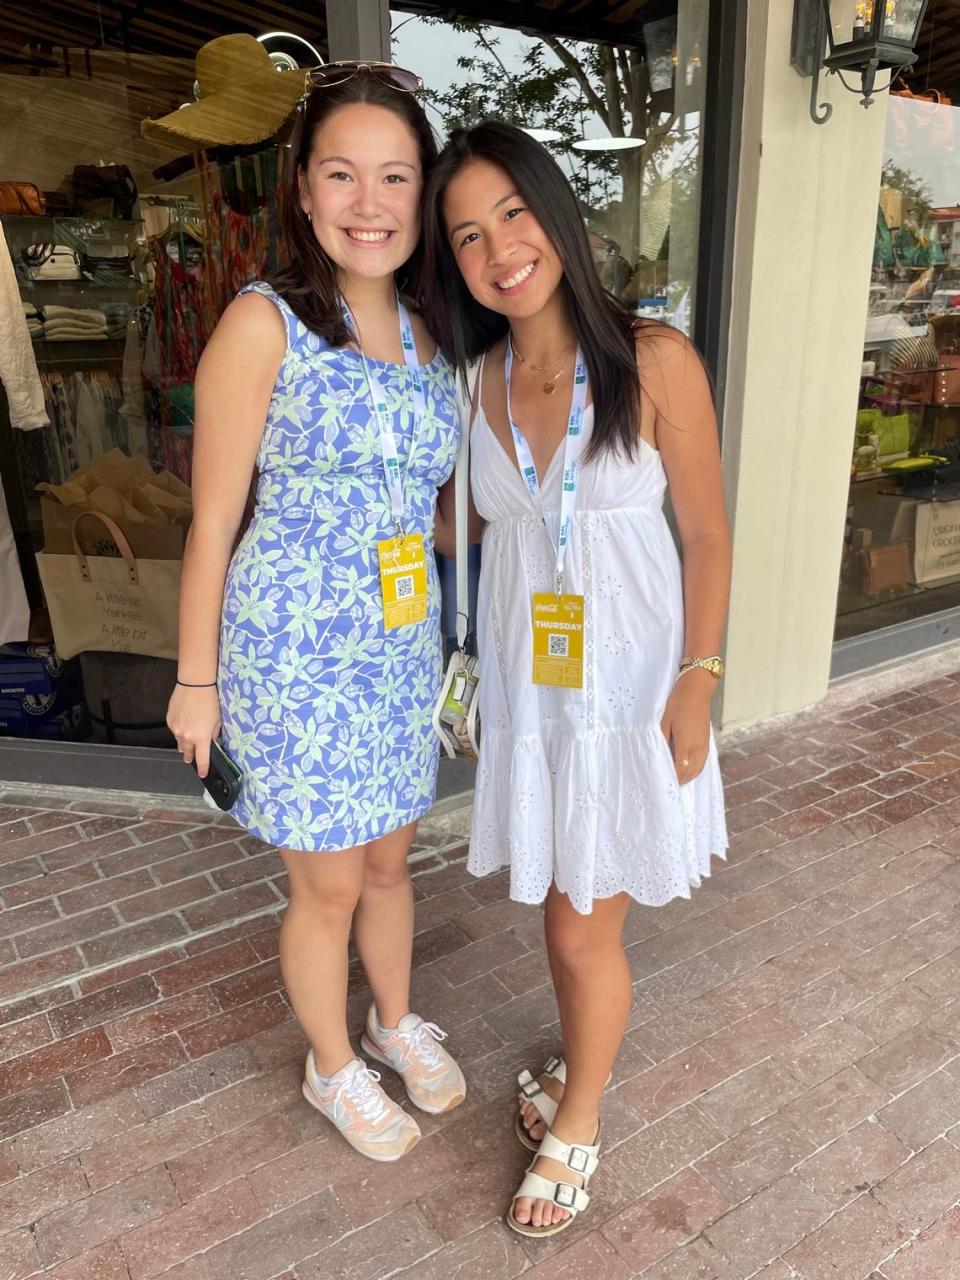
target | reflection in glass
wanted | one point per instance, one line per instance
(623, 120)
(901, 555)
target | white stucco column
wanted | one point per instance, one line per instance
(803, 251)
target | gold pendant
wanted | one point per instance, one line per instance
(549, 388)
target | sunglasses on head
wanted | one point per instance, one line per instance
(334, 73)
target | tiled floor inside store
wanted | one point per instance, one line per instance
(786, 1106)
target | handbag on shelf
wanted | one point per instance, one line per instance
(914, 350)
(106, 264)
(456, 716)
(891, 432)
(104, 191)
(21, 198)
(51, 262)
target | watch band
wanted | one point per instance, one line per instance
(714, 664)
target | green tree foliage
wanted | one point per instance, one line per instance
(571, 86)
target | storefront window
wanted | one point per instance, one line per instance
(123, 242)
(901, 554)
(618, 103)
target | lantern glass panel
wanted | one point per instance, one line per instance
(901, 18)
(850, 20)
(878, 20)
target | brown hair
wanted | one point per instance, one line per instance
(307, 281)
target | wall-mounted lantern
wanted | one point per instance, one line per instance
(856, 36)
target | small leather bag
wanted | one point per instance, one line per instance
(885, 568)
(21, 198)
(456, 716)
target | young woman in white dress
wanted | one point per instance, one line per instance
(598, 781)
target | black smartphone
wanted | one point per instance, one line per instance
(223, 778)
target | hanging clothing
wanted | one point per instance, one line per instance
(14, 610)
(132, 418)
(18, 364)
(85, 421)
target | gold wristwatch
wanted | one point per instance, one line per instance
(715, 665)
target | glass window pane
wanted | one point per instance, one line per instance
(623, 119)
(901, 553)
(125, 251)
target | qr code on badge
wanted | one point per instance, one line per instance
(405, 587)
(558, 647)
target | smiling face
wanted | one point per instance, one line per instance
(362, 189)
(506, 259)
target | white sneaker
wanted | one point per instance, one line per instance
(432, 1079)
(354, 1103)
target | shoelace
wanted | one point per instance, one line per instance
(359, 1090)
(425, 1045)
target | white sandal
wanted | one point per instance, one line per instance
(578, 1158)
(543, 1104)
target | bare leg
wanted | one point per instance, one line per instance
(383, 923)
(324, 891)
(594, 995)
(532, 1119)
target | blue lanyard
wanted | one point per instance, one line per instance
(378, 398)
(572, 449)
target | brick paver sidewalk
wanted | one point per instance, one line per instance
(784, 1106)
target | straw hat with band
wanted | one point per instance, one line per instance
(243, 99)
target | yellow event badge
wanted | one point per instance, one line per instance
(558, 640)
(403, 580)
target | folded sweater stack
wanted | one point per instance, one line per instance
(34, 320)
(118, 317)
(74, 324)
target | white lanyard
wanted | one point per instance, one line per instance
(388, 441)
(573, 447)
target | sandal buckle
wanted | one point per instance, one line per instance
(578, 1159)
(531, 1089)
(565, 1195)
(551, 1064)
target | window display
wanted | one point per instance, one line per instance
(138, 194)
(901, 554)
(123, 235)
(617, 100)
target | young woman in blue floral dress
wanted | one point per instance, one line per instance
(314, 647)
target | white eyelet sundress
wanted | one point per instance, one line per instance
(577, 787)
(327, 714)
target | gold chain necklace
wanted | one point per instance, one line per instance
(551, 383)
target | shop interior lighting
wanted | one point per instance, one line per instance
(607, 144)
(858, 36)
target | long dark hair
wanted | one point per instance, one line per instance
(308, 278)
(464, 328)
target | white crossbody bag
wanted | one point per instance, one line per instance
(456, 717)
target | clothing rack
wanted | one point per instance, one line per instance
(189, 205)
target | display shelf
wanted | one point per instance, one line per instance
(65, 355)
(121, 285)
(29, 219)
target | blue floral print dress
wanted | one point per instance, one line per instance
(327, 714)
